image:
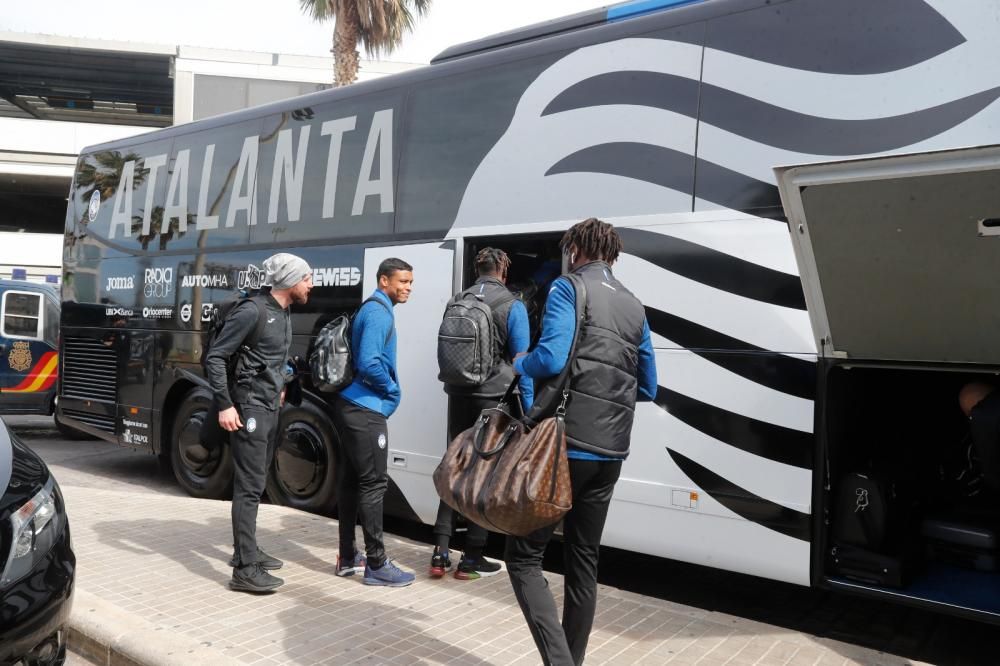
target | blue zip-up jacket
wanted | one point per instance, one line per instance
(552, 351)
(373, 349)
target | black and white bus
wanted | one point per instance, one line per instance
(666, 118)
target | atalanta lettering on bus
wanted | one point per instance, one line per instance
(286, 175)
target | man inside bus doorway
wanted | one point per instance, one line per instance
(465, 403)
(361, 412)
(250, 400)
(599, 418)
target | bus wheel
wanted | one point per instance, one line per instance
(202, 473)
(303, 473)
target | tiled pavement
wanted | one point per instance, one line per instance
(161, 560)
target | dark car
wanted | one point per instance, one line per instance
(37, 564)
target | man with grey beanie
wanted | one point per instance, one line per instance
(249, 387)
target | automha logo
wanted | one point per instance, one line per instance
(120, 283)
(345, 276)
(159, 282)
(251, 278)
(157, 313)
(118, 312)
(209, 281)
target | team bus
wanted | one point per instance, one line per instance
(666, 118)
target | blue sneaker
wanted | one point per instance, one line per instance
(388, 575)
(351, 568)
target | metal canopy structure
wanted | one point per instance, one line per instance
(65, 82)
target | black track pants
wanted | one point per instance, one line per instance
(362, 478)
(462, 413)
(253, 449)
(566, 643)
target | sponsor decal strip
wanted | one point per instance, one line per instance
(39, 379)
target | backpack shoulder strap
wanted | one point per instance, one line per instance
(387, 309)
(254, 337)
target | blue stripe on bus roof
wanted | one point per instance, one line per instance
(637, 7)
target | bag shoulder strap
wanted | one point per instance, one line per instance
(579, 286)
(254, 336)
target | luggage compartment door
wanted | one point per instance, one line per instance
(898, 255)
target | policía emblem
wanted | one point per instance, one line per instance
(381, 440)
(20, 357)
(251, 424)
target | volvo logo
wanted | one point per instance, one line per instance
(159, 282)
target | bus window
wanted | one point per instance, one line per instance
(22, 315)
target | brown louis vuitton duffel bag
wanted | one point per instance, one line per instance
(506, 477)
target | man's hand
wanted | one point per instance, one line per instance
(517, 356)
(229, 420)
(281, 403)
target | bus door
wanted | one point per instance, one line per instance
(418, 429)
(29, 360)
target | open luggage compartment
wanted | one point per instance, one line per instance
(898, 260)
(907, 513)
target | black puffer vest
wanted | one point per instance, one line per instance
(603, 382)
(500, 300)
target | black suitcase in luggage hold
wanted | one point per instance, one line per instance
(868, 540)
(962, 543)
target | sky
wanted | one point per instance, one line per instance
(274, 26)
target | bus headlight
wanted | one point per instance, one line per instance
(34, 528)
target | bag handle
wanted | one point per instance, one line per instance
(477, 437)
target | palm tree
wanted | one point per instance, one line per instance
(378, 24)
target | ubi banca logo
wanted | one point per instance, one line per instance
(159, 282)
(120, 283)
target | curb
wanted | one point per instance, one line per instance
(108, 636)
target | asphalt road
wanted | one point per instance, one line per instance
(908, 632)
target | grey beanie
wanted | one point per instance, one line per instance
(284, 271)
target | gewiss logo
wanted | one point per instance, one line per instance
(120, 283)
(159, 282)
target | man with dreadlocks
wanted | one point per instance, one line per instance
(466, 402)
(599, 415)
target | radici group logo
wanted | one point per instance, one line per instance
(159, 282)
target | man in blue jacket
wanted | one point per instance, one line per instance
(361, 412)
(465, 403)
(613, 368)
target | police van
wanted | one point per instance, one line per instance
(666, 118)
(29, 346)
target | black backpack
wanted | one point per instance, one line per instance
(217, 319)
(330, 360)
(865, 511)
(467, 338)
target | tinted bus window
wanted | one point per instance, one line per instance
(329, 171)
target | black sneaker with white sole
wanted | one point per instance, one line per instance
(254, 578)
(263, 559)
(476, 569)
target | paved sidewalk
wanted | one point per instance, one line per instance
(152, 589)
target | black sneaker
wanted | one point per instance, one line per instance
(263, 559)
(440, 564)
(475, 569)
(254, 578)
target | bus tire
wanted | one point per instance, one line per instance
(303, 474)
(211, 478)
